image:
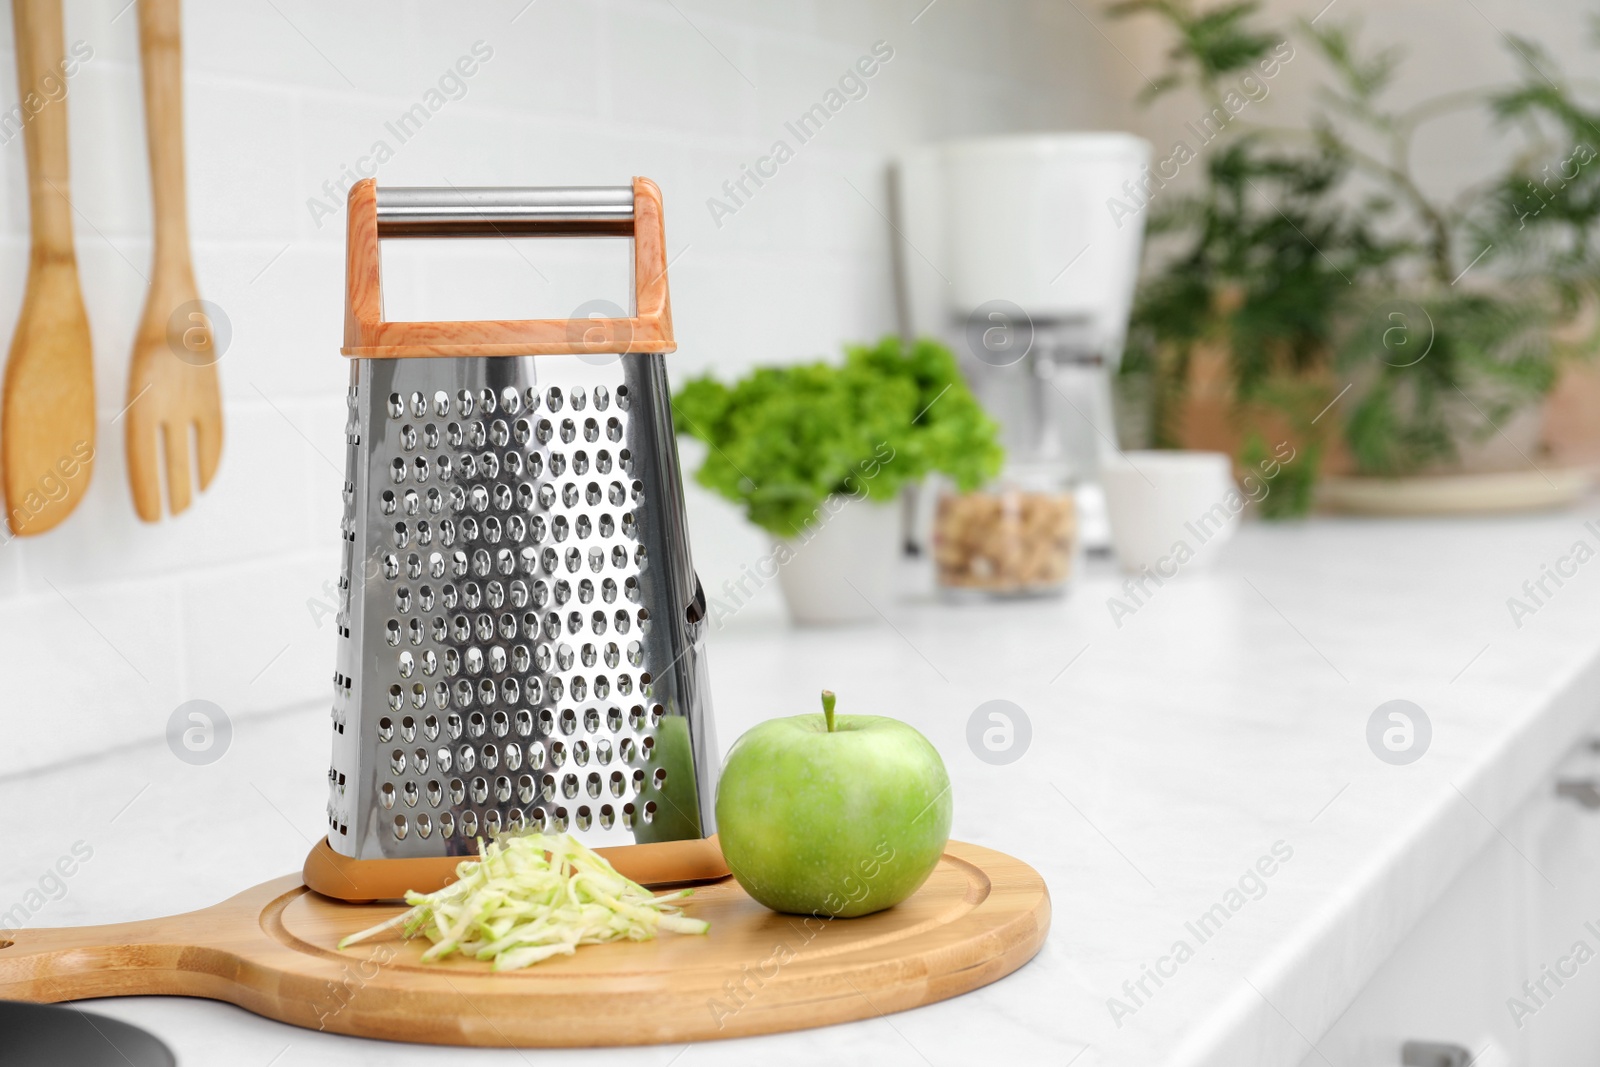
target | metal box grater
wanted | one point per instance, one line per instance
(520, 633)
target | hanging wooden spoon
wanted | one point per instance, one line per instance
(47, 433)
(172, 378)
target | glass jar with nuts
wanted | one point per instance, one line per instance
(1018, 537)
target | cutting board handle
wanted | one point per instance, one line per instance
(179, 955)
(368, 334)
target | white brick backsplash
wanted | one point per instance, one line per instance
(279, 98)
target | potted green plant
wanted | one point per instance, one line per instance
(817, 455)
(1308, 270)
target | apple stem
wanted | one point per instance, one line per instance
(827, 707)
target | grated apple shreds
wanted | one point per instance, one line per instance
(525, 899)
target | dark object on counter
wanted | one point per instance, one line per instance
(48, 1035)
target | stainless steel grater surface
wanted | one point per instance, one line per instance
(520, 641)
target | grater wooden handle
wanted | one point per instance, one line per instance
(367, 334)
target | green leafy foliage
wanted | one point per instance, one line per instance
(783, 439)
(1287, 253)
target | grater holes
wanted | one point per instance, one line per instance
(447, 824)
(489, 464)
(569, 431)
(510, 400)
(623, 397)
(602, 462)
(397, 761)
(386, 795)
(430, 728)
(608, 816)
(465, 403)
(593, 784)
(385, 729)
(463, 693)
(524, 723)
(591, 429)
(537, 820)
(408, 438)
(487, 401)
(630, 587)
(602, 750)
(608, 526)
(499, 433)
(513, 756)
(608, 593)
(553, 399)
(411, 794)
(453, 435)
(580, 462)
(614, 429)
(513, 464)
(535, 464)
(649, 811)
(502, 791)
(386, 502)
(558, 821)
(392, 631)
(490, 757)
(625, 459)
(616, 494)
(478, 789)
(458, 792)
(397, 470)
(397, 406)
(569, 785)
(419, 405)
(584, 819)
(602, 398)
(530, 399)
(469, 824)
(466, 759)
(452, 725)
(543, 431)
(627, 749)
(525, 789)
(629, 815)
(515, 821)
(408, 729)
(424, 825)
(579, 689)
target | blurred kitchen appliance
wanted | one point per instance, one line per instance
(520, 627)
(1021, 253)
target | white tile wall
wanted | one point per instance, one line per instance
(107, 624)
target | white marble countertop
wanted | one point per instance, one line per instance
(1227, 715)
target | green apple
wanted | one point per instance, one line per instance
(833, 817)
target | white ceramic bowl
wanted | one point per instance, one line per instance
(1170, 511)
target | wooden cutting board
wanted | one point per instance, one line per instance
(271, 950)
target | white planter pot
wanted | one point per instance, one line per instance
(842, 570)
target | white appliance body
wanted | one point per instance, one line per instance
(1047, 229)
